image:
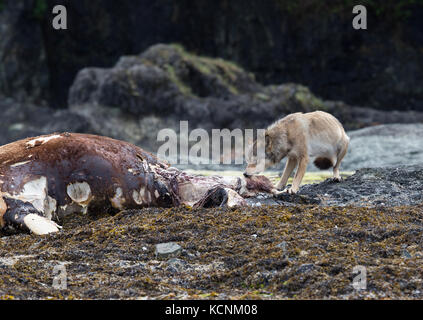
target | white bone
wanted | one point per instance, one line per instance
(40, 225)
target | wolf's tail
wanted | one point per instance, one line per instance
(323, 163)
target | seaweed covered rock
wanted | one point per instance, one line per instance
(167, 81)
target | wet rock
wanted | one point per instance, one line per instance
(142, 94)
(11, 261)
(228, 262)
(391, 186)
(168, 249)
(282, 245)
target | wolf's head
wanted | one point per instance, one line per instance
(266, 152)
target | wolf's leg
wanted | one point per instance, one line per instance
(290, 165)
(341, 155)
(299, 175)
(23, 215)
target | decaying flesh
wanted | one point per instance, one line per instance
(47, 177)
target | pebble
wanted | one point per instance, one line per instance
(167, 249)
(303, 253)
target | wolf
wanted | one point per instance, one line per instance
(300, 136)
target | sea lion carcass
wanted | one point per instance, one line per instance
(47, 177)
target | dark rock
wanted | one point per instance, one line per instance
(389, 186)
(372, 186)
(229, 263)
(282, 245)
(404, 252)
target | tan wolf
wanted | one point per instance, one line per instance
(299, 137)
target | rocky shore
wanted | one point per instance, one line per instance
(302, 246)
(224, 65)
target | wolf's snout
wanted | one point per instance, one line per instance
(246, 175)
